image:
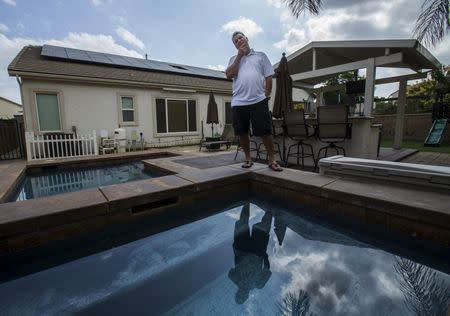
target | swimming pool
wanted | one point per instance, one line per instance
(59, 181)
(254, 259)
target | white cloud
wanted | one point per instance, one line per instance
(293, 40)
(276, 3)
(3, 28)
(217, 67)
(10, 47)
(442, 50)
(247, 26)
(352, 21)
(129, 37)
(10, 2)
(96, 2)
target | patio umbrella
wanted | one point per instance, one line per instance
(283, 95)
(212, 116)
(283, 92)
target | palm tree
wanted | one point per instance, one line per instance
(431, 25)
(299, 6)
(424, 290)
(295, 304)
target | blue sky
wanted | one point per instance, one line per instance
(196, 32)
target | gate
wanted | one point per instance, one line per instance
(12, 139)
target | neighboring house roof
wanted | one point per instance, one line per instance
(393, 95)
(9, 101)
(30, 62)
(9, 109)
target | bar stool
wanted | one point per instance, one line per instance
(332, 128)
(297, 130)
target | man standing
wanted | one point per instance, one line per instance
(252, 83)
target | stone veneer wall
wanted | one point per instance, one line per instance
(416, 126)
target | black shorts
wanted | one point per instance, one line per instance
(259, 116)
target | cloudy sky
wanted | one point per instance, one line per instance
(195, 32)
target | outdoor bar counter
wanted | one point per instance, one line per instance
(362, 143)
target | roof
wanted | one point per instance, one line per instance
(9, 101)
(333, 53)
(35, 61)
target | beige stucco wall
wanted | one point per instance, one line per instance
(9, 109)
(95, 107)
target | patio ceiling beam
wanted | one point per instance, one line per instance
(420, 75)
(416, 76)
(379, 61)
(303, 85)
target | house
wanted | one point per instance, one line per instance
(9, 109)
(69, 90)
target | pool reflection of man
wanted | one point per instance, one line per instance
(251, 262)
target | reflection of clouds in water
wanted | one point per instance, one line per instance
(112, 271)
(338, 279)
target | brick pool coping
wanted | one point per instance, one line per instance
(408, 209)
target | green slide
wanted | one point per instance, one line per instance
(436, 133)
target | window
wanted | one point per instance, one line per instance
(176, 116)
(48, 112)
(127, 110)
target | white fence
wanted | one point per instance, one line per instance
(53, 146)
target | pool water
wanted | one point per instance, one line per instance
(243, 261)
(63, 181)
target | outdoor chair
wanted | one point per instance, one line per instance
(332, 128)
(297, 130)
(277, 130)
(226, 139)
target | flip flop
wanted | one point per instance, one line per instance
(275, 166)
(247, 164)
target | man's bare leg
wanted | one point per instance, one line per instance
(244, 140)
(268, 143)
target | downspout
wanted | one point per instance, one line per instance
(19, 81)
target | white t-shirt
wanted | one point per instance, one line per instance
(248, 85)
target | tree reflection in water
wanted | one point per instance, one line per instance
(295, 304)
(425, 292)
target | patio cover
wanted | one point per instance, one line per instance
(319, 55)
(319, 61)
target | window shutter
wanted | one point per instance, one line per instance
(192, 112)
(161, 116)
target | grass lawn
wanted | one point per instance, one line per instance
(443, 148)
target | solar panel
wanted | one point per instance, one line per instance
(124, 61)
(99, 58)
(76, 54)
(54, 51)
